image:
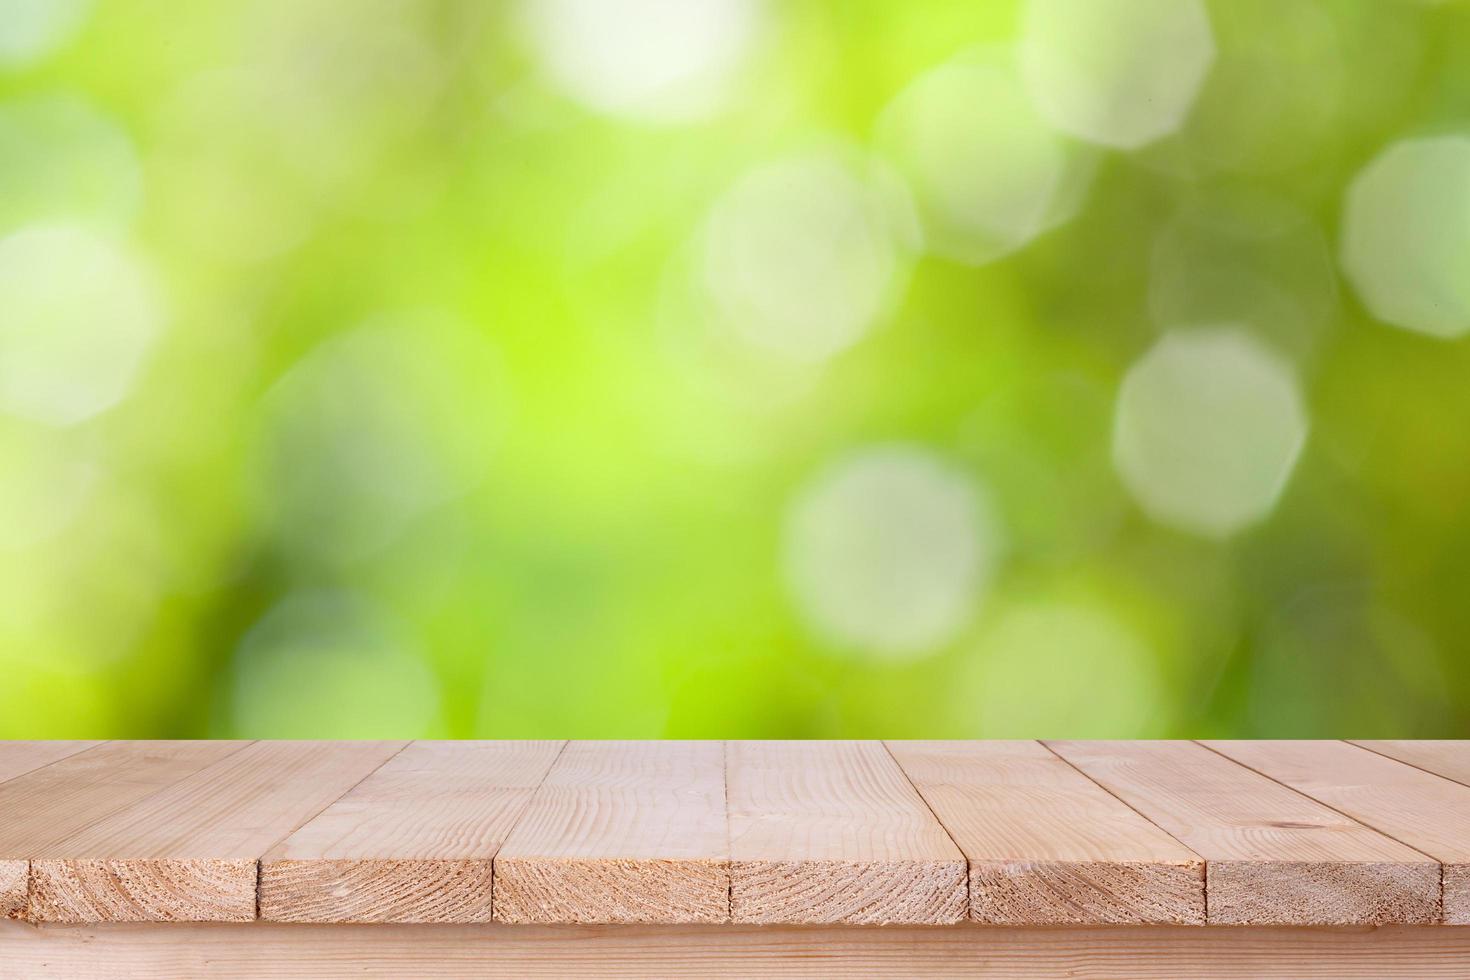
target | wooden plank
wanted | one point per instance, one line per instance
(188, 852)
(1046, 845)
(1447, 758)
(833, 832)
(1272, 855)
(268, 951)
(19, 758)
(48, 804)
(1425, 811)
(414, 842)
(621, 832)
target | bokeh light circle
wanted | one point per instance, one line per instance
(660, 61)
(78, 314)
(31, 30)
(1208, 427)
(888, 552)
(1406, 235)
(1121, 73)
(804, 255)
(987, 172)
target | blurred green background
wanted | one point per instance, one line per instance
(734, 368)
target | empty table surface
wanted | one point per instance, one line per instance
(1013, 833)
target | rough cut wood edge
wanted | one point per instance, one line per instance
(1087, 892)
(269, 951)
(1322, 893)
(397, 890)
(14, 876)
(610, 890)
(1457, 894)
(142, 890)
(848, 892)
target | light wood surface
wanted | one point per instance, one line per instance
(46, 805)
(267, 951)
(1425, 811)
(1273, 855)
(190, 851)
(1048, 846)
(19, 758)
(413, 842)
(1447, 758)
(834, 832)
(621, 832)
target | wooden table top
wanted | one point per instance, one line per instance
(1008, 833)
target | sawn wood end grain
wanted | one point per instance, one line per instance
(1087, 892)
(1323, 893)
(13, 878)
(610, 890)
(143, 890)
(376, 890)
(822, 892)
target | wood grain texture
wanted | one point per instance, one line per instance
(621, 832)
(1045, 844)
(19, 758)
(1273, 855)
(1447, 758)
(188, 852)
(46, 805)
(833, 832)
(414, 842)
(1425, 811)
(267, 951)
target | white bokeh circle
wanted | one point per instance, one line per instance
(803, 256)
(659, 61)
(1406, 235)
(1207, 431)
(888, 552)
(79, 313)
(31, 30)
(1208, 427)
(1121, 73)
(987, 172)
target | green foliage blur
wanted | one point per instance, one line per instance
(589, 368)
